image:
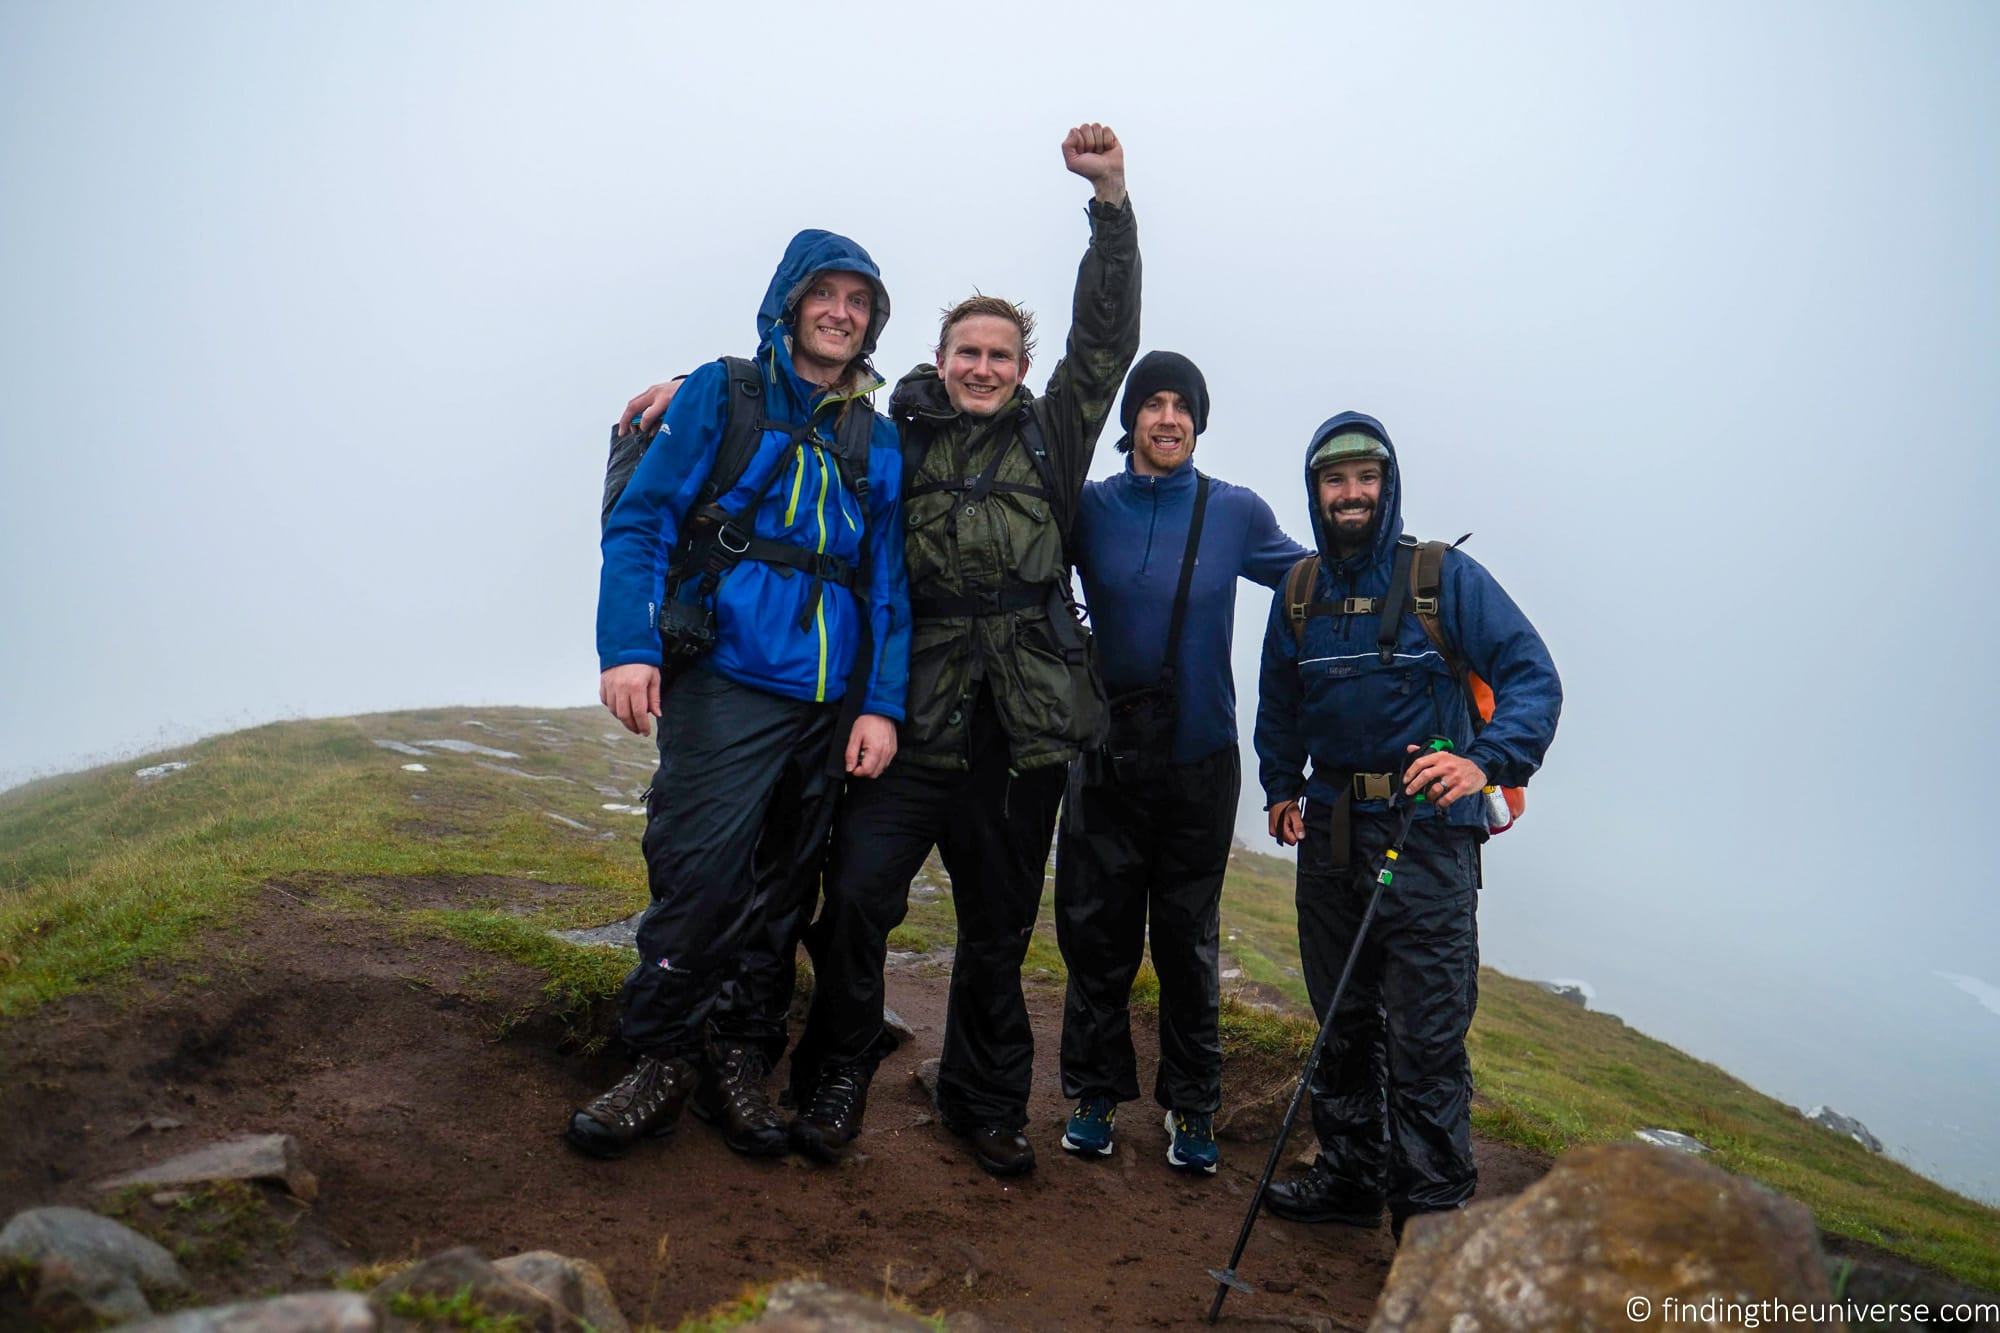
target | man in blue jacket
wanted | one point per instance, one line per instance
(784, 578)
(1352, 682)
(1146, 837)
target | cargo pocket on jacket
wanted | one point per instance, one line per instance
(1033, 542)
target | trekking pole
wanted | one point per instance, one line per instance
(1225, 1278)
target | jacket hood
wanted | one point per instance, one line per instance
(1388, 514)
(814, 252)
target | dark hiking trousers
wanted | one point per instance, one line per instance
(1392, 1100)
(992, 828)
(742, 801)
(1139, 860)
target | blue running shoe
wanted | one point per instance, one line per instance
(1090, 1126)
(1191, 1141)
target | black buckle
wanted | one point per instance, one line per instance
(723, 535)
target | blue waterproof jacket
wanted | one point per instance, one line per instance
(1131, 533)
(1334, 702)
(770, 635)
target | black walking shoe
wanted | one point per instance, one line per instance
(733, 1098)
(1315, 1196)
(643, 1104)
(832, 1118)
(999, 1151)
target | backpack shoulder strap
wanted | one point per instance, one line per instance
(740, 436)
(1396, 601)
(1037, 445)
(1298, 595)
(1427, 598)
(852, 439)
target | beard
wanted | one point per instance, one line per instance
(1351, 537)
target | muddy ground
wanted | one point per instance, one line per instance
(431, 1112)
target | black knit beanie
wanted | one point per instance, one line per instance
(1154, 372)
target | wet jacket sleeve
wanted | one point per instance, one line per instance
(1103, 339)
(888, 579)
(644, 526)
(1496, 640)
(1280, 739)
(1268, 554)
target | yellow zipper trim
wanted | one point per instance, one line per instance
(819, 618)
(798, 479)
(819, 612)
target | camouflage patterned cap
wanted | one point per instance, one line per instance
(1345, 446)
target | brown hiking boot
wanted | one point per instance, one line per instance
(643, 1104)
(832, 1119)
(733, 1099)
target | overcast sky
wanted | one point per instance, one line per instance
(314, 320)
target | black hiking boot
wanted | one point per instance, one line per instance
(1315, 1196)
(643, 1104)
(998, 1150)
(832, 1119)
(733, 1099)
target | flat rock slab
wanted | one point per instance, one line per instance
(1671, 1138)
(158, 771)
(257, 1157)
(87, 1263)
(468, 747)
(814, 1307)
(398, 747)
(302, 1312)
(612, 935)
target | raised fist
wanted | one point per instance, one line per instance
(1094, 153)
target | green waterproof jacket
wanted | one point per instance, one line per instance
(975, 560)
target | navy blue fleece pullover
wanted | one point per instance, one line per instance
(1131, 533)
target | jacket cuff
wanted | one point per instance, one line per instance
(630, 657)
(882, 708)
(1491, 762)
(1109, 217)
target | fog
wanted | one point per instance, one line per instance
(315, 319)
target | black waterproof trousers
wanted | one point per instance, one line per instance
(992, 827)
(1392, 1101)
(734, 838)
(1127, 853)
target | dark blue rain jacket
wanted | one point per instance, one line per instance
(761, 641)
(1332, 701)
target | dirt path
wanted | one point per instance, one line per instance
(380, 1053)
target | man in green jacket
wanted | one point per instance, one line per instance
(1000, 695)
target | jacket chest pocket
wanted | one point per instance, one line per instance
(1030, 542)
(927, 544)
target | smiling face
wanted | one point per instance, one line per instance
(1162, 434)
(829, 325)
(1350, 494)
(982, 363)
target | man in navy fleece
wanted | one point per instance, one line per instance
(1149, 834)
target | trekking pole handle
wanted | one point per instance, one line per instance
(1434, 745)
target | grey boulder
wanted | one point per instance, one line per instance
(87, 1265)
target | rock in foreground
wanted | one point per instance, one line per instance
(1607, 1228)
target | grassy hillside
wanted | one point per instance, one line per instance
(101, 871)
